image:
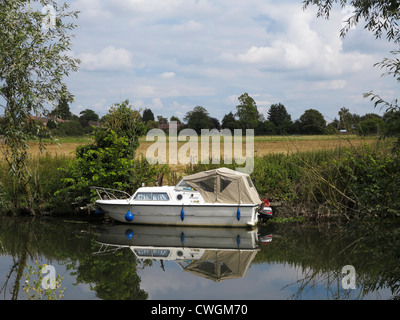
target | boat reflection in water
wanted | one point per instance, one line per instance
(213, 253)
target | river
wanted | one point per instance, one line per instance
(94, 259)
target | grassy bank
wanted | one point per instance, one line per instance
(346, 182)
(353, 181)
(45, 180)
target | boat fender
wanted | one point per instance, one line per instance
(129, 234)
(238, 214)
(129, 216)
(238, 240)
(182, 214)
(182, 238)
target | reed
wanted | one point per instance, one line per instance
(44, 180)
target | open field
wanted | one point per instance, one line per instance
(263, 145)
(278, 144)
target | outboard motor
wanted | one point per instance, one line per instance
(265, 211)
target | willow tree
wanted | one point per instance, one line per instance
(34, 43)
(381, 18)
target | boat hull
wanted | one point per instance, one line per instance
(182, 215)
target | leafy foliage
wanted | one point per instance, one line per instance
(110, 160)
(381, 18)
(281, 119)
(247, 112)
(198, 119)
(312, 122)
(33, 62)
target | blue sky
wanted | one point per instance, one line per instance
(171, 56)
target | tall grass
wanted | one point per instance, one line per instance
(45, 180)
(362, 181)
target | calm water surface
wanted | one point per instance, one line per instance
(99, 260)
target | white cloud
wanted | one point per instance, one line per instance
(188, 26)
(299, 45)
(109, 58)
(221, 49)
(162, 90)
(156, 104)
(91, 9)
(329, 85)
(167, 75)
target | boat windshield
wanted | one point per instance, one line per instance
(150, 196)
(155, 253)
(185, 186)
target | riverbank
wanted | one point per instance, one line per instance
(355, 180)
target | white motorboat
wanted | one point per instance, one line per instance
(218, 197)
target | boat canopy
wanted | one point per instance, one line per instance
(224, 185)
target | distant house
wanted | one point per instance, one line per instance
(165, 126)
(94, 123)
(45, 120)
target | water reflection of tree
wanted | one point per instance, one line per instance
(26, 239)
(20, 251)
(112, 276)
(319, 252)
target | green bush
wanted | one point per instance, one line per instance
(105, 165)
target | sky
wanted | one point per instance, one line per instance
(171, 56)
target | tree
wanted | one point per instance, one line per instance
(281, 119)
(264, 128)
(347, 120)
(392, 125)
(370, 125)
(229, 122)
(381, 17)
(215, 122)
(333, 127)
(175, 118)
(247, 112)
(33, 63)
(110, 160)
(68, 129)
(162, 120)
(88, 115)
(198, 119)
(62, 110)
(312, 122)
(147, 115)
(125, 121)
